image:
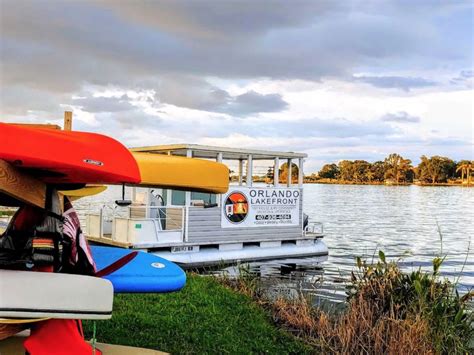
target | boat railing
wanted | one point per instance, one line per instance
(137, 224)
(169, 218)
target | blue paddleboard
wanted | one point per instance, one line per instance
(144, 273)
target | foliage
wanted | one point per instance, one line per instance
(378, 171)
(396, 170)
(346, 170)
(435, 169)
(203, 318)
(388, 311)
(414, 297)
(329, 171)
(464, 168)
(397, 167)
(284, 173)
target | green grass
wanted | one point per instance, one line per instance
(203, 318)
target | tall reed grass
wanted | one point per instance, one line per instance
(388, 311)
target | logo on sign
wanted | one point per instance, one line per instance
(236, 207)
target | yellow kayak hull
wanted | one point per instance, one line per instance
(88, 190)
(179, 173)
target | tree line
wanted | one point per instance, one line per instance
(398, 170)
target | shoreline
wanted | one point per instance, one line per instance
(339, 182)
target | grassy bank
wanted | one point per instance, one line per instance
(204, 317)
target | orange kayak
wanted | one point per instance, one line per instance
(67, 157)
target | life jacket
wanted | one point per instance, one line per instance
(45, 240)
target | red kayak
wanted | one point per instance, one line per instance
(66, 157)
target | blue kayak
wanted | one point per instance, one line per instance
(143, 273)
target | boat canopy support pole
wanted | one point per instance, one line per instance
(300, 172)
(276, 172)
(219, 160)
(249, 170)
(187, 203)
(168, 191)
(189, 154)
(288, 178)
(241, 171)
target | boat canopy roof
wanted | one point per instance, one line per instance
(211, 152)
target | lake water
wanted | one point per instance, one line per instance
(404, 221)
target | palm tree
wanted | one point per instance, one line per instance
(396, 167)
(370, 175)
(465, 167)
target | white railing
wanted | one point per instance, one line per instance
(169, 218)
(137, 224)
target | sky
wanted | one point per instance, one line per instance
(334, 79)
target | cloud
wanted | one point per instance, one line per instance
(126, 44)
(400, 117)
(395, 82)
(213, 20)
(465, 77)
(449, 141)
(198, 94)
(336, 127)
(300, 129)
(137, 118)
(253, 102)
(189, 92)
(18, 100)
(104, 104)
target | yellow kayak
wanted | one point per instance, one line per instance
(181, 173)
(88, 190)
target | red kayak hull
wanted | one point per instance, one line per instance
(67, 157)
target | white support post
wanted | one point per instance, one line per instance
(184, 227)
(249, 170)
(187, 198)
(101, 225)
(241, 172)
(300, 184)
(168, 192)
(288, 182)
(276, 172)
(300, 172)
(219, 160)
(186, 224)
(134, 193)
